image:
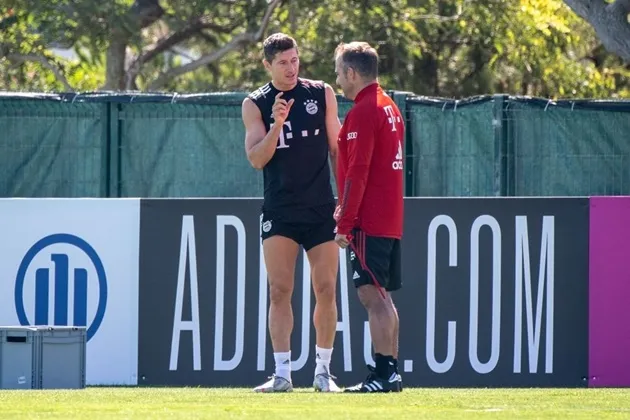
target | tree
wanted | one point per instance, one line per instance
(132, 39)
(610, 20)
(450, 48)
(459, 48)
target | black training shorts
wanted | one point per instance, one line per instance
(309, 228)
(374, 258)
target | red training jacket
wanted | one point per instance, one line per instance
(370, 166)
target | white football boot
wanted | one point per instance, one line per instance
(325, 382)
(275, 384)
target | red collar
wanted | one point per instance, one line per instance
(367, 91)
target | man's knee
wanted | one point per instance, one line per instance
(280, 254)
(324, 261)
(281, 288)
(325, 290)
(371, 298)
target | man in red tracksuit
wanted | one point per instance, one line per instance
(370, 206)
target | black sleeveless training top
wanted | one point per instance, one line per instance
(298, 175)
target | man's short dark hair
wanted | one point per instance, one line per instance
(360, 56)
(277, 43)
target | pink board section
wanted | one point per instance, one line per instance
(609, 292)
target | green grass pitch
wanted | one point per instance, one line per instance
(224, 403)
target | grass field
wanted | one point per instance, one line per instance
(216, 403)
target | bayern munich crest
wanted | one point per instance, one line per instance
(311, 106)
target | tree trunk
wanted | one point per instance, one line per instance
(141, 14)
(115, 72)
(610, 22)
(429, 67)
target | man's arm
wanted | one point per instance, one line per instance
(260, 146)
(333, 125)
(360, 151)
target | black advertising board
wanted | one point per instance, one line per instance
(476, 308)
(496, 292)
(224, 343)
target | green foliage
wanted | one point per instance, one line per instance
(449, 48)
(541, 47)
(28, 56)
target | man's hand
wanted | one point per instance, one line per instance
(281, 109)
(342, 240)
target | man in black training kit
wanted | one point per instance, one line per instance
(291, 128)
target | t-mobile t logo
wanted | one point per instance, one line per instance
(391, 117)
(284, 137)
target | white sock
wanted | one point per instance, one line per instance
(283, 364)
(322, 360)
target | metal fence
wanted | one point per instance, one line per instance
(146, 145)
